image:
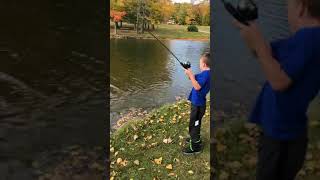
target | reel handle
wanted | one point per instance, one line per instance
(245, 11)
(186, 65)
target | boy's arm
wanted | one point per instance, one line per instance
(193, 80)
(276, 76)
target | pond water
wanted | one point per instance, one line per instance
(143, 74)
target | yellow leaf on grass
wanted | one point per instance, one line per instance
(190, 172)
(135, 137)
(167, 141)
(119, 160)
(158, 161)
(124, 163)
(136, 162)
(171, 174)
(116, 153)
(169, 166)
(112, 149)
(112, 178)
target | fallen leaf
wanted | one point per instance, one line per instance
(190, 172)
(171, 174)
(124, 163)
(140, 169)
(167, 141)
(136, 162)
(112, 178)
(158, 161)
(169, 166)
(119, 160)
(116, 153)
(135, 137)
(112, 149)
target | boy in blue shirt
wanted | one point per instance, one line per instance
(292, 70)
(201, 87)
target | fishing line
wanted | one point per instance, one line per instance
(185, 65)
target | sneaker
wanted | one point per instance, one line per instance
(192, 148)
(188, 139)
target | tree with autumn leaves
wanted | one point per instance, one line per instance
(143, 13)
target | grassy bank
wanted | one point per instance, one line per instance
(164, 31)
(236, 149)
(150, 147)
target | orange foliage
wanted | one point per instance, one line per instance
(117, 15)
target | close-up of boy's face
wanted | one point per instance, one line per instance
(294, 14)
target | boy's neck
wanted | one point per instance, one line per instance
(309, 23)
(205, 69)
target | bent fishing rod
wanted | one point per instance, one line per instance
(185, 65)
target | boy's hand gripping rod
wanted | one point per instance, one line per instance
(185, 65)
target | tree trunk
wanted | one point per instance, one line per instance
(152, 26)
(115, 27)
(120, 24)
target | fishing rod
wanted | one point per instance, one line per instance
(185, 65)
(244, 11)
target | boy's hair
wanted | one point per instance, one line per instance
(206, 58)
(313, 7)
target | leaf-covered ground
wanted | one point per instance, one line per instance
(236, 144)
(150, 147)
(70, 163)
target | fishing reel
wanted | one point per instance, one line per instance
(186, 65)
(242, 10)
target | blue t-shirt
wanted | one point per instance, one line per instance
(198, 98)
(282, 115)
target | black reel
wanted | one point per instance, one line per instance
(244, 10)
(186, 65)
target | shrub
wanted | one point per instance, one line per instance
(192, 28)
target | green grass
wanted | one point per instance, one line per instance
(236, 149)
(180, 32)
(165, 31)
(142, 140)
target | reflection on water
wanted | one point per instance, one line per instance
(144, 75)
(237, 74)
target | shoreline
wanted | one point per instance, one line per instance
(143, 37)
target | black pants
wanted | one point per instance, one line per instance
(196, 115)
(280, 160)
